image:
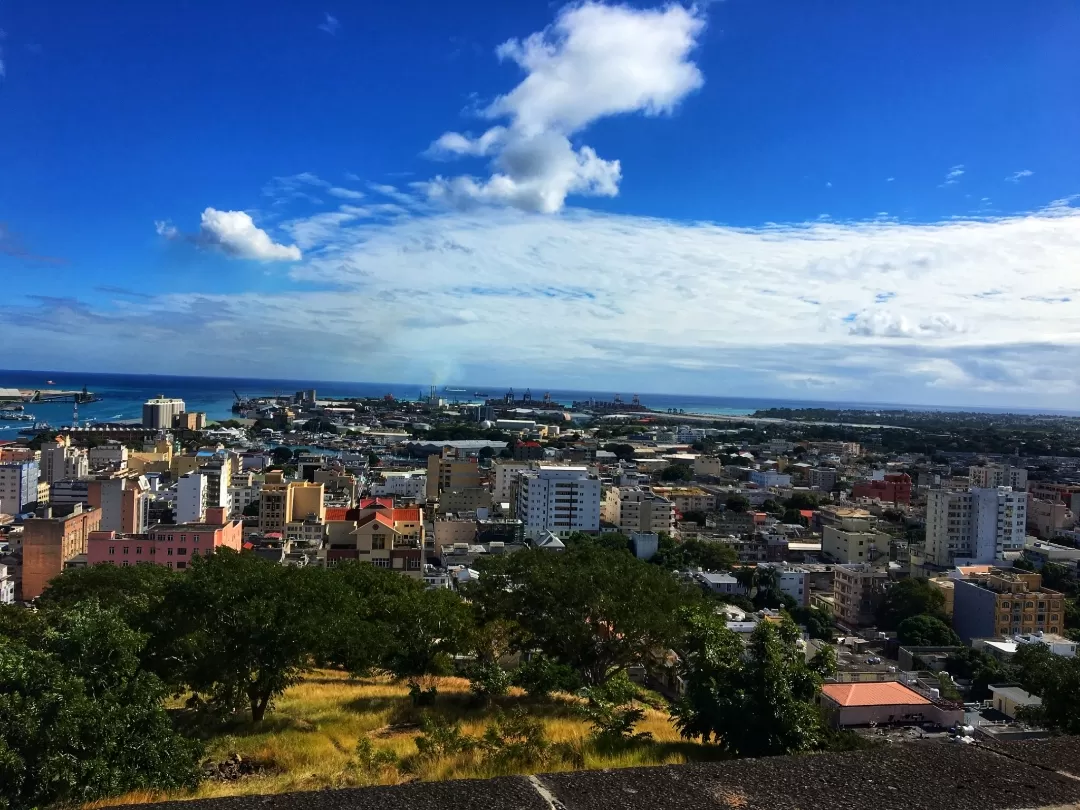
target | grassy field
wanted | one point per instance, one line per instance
(309, 741)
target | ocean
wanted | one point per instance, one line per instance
(124, 394)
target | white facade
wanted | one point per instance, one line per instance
(160, 412)
(7, 586)
(411, 485)
(791, 581)
(560, 500)
(60, 462)
(112, 454)
(770, 478)
(18, 486)
(506, 473)
(978, 526)
(190, 498)
(240, 497)
(987, 476)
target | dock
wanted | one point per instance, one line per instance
(47, 395)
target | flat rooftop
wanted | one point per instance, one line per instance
(898, 776)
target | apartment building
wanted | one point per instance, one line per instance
(18, 486)
(979, 525)
(7, 585)
(243, 491)
(769, 478)
(377, 532)
(445, 472)
(110, 454)
(59, 460)
(559, 500)
(170, 545)
(1002, 603)
(411, 484)
(857, 592)
(792, 580)
(1046, 518)
(708, 466)
(66, 493)
(191, 497)
(124, 501)
(281, 502)
(49, 542)
(893, 488)
(688, 499)
(506, 478)
(637, 509)
(991, 476)
(1068, 494)
(823, 479)
(851, 536)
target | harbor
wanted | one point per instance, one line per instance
(46, 395)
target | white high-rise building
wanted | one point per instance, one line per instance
(160, 412)
(60, 461)
(560, 500)
(979, 525)
(191, 493)
(18, 486)
(986, 476)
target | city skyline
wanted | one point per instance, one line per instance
(729, 199)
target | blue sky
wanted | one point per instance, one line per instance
(830, 200)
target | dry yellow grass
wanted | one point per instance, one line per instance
(309, 740)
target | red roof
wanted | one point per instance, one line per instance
(888, 693)
(337, 513)
(378, 517)
(370, 503)
(407, 515)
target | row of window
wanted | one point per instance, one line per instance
(168, 538)
(152, 550)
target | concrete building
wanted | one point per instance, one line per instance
(688, 499)
(243, 491)
(892, 488)
(769, 478)
(18, 486)
(506, 477)
(1046, 518)
(979, 525)
(468, 499)
(173, 546)
(857, 592)
(7, 586)
(823, 479)
(124, 502)
(193, 420)
(410, 484)
(281, 502)
(644, 544)
(1000, 603)
(560, 500)
(1012, 700)
(992, 476)
(110, 454)
(378, 533)
(59, 460)
(637, 509)
(66, 493)
(191, 501)
(708, 467)
(792, 580)
(447, 472)
(851, 537)
(160, 413)
(1068, 494)
(847, 705)
(50, 542)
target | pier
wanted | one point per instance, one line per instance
(43, 395)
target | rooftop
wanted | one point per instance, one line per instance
(886, 693)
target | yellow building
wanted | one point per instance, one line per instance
(948, 590)
(283, 502)
(445, 473)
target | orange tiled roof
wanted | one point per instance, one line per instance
(407, 515)
(888, 693)
(371, 503)
(375, 517)
(337, 513)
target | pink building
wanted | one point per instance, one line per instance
(173, 546)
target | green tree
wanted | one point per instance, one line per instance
(589, 608)
(80, 721)
(907, 598)
(624, 452)
(281, 456)
(737, 503)
(757, 701)
(676, 472)
(436, 624)
(252, 509)
(819, 622)
(241, 629)
(1056, 680)
(926, 631)
(978, 668)
(800, 500)
(136, 592)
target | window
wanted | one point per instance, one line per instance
(170, 554)
(124, 564)
(181, 565)
(138, 549)
(153, 549)
(169, 538)
(180, 552)
(183, 538)
(112, 550)
(381, 562)
(126, 549)
(169, 564)
(195, 539)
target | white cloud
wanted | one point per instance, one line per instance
(236, 234)
(889, 179)
(166, 229)
(594, 61)
(957, 312)
(954, 174)
(330, 24)
(345, 193)
(1016, 177)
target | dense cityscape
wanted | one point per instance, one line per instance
(660, 560)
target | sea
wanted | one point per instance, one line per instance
(122, 396)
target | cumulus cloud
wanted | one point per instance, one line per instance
(593, 62)
(886, 324)
(236, 234)
(1016, 177)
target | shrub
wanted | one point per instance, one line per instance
(438, 739)
(540, 676)
(488, 680)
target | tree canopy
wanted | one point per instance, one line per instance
(908, 598)
(926, 631)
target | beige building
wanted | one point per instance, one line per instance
(505, 479)
(857, 592)
(985, 476)
(947, 586)
(283, 502)
(636, 509)
(468, 499)
(708, 466)
(1045, 518)
(454, 530)
(688, 499)
(445, 472)
(850, 535)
